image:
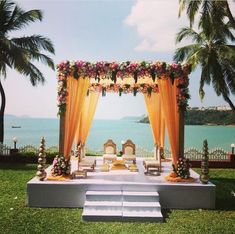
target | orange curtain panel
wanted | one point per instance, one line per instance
(87, 115)
(168, 94)
(77, 90)
(156, 119)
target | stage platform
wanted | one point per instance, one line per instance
(72, 193)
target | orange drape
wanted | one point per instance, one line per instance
(77, 90)
(87, 115)
(156, 119)
(168, 94)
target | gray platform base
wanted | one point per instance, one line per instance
(72, 193)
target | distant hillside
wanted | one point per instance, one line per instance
(206, 117)
(10, 116)
(134, 118)
(14, 116)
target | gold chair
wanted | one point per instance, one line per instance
(86, 163)
(128, 151)
(153, 166)
(110, 151)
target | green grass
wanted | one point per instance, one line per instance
(16, 217)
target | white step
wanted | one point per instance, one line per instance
(104, 193)
(142, 216)
(122, 206)
(104, 215)
(102, 203)
(141, 204)
(133, 196)
(136, 193)
(104, 196)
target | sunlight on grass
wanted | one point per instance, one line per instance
(16, 217)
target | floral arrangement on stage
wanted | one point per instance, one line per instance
(115, 71)
(60, 166)
(181, 171)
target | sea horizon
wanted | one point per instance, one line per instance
(32, 129)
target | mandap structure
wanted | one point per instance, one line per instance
(164, 86)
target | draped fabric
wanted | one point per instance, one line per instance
(77, 90)
(156, 119)
(168, 93)
(87, 115)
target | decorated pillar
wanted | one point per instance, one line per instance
(181, 131)
(61, 135)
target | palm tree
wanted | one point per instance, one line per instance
(19, 53)
(211, 51)
(208, 9)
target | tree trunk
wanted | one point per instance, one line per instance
(227, 99)
(2, 110)
(230, 16)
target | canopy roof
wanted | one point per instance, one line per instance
(117, 72)
(122, 77)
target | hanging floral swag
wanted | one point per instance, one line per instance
(122, 70)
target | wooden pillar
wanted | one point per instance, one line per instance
(181, 132)
(62, 133)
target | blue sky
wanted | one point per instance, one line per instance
(101, 30)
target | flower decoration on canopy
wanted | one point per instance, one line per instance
(124, 88)
(115, 71)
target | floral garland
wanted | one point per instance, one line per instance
(124, 88)
(114, 70)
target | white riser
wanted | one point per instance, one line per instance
(106, 215)
(142, 216)
(141, 206)
(101, 193)
(133, 196)
(102, 203)
(103, 209)
(141, 209)
(140, 199)
(138, 193)
(103, 198)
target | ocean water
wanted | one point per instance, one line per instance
(32, 129)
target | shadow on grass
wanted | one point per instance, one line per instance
(18, 166)
(225, 193)
(166, 214)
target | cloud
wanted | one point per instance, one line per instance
(156, 23)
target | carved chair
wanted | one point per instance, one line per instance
(128, 151)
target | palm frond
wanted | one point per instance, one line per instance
(32, 72)
(205, 21)
(229, 76)
(192, 9)
(34, 42)
(205, 77)
(187, 32)
(42, 58)
(182, 4)
(6, 12)
(22, 18)
(188, 54)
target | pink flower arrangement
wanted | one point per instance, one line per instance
(121, 70)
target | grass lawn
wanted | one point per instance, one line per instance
(16, 217)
